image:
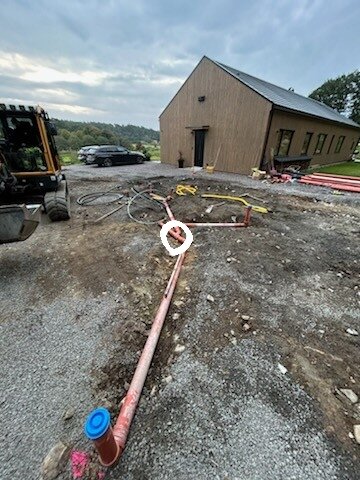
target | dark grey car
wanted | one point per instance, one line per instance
(110, 155)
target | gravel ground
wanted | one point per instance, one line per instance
(78, 300)
(234, 426)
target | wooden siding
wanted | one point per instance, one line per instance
(301, 125)
(237, 118)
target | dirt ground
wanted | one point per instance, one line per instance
(215, 403)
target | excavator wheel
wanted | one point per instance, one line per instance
(57, 203)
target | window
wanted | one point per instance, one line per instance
(357, 144)
(331, 141)
(284, 141)
(354, 143)
(108, 149)
(320, 143)
(339, 143)
(306, 143)
(13, 122)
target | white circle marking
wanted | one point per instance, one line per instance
(184, 246)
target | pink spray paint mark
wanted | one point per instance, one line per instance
(79, 462)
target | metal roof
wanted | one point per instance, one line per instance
(288, 99)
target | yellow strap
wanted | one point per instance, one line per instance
(183, 190)
(255, 208)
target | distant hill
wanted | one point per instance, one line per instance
(73, 135)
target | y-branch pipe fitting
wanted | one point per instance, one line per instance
(175, 235)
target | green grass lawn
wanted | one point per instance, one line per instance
(68, 157)
(347, 168)
(153, 150)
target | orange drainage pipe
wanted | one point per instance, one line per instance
(175, 235)
(216, 224)
(171, 215)
(247, 215)
(110, 443)
(321, 178)
(336, 176)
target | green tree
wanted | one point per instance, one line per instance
(341, 93)
(62, 143)
(73, 135)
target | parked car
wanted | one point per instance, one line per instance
(108, 155)
(82, 153)
(90, 155)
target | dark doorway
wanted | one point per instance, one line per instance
(199, 147)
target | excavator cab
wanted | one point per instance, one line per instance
(30, 172)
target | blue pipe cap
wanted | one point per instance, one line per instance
(97, 423)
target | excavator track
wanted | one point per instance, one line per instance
(57, 203)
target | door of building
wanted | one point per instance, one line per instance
(199, 147)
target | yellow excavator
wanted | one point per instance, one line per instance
(30, 172)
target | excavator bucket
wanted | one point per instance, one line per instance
(18, 222)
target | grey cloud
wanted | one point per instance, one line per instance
(139, 44)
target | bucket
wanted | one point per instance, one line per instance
(210, 168)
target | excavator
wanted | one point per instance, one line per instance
(31, 180)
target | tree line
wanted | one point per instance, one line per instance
(74, 135)
(341, 93)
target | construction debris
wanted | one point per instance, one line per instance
(211, 207)
(55, 461)
(357, 433)
(70, 412)
(258, 174)
(179, 348)
(109, 213)
(349, 394)
(282, 369)
(352, 331)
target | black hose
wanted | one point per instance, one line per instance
(144, 196)
(93, 198)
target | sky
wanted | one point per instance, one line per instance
(122, 61)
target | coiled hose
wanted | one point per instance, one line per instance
(94, 198)
(144, 194)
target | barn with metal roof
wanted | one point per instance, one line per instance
(233, 121)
